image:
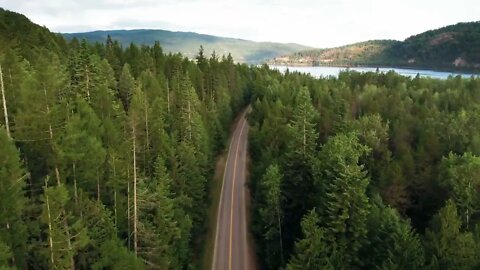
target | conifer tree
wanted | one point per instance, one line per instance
(63, 241)
(126, 86)
(13, 202)
(311, 252)
(462, 178)
(81, 150)
(447, 246)
(343, 202)
(272, 216)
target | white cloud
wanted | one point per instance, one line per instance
(320, 23)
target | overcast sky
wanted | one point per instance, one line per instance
(318, 23)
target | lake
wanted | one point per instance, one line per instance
(334, 71)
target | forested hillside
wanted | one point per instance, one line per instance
(367, 171)
(19, 33)
(187, 43)
(106, 152)
(454, 47)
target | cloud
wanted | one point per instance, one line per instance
(320, 23)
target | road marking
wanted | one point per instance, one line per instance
(232, 197)
(214, 263)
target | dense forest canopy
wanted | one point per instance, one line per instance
(454, 47)
(365, 171)
(106, 153)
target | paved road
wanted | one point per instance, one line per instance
(232, 247)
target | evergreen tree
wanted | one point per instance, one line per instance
(63, 242)
(126, 86)
(272, 216)
(81, 150)
(311, 252)
(13, 234)
(343, 202)
(300, 158)
(461, 176)
(447, 245)
(392, 243)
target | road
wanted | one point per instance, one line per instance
(232, 250)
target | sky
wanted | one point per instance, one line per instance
(316, 23)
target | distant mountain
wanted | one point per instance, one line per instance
(454, 47)
(188, 43)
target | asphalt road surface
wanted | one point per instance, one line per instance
(232, 250)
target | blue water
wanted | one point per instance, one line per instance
(334, 71)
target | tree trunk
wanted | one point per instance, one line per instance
(50, 239)
(98, 187)
(168, 99)
(147, 143)
(128, 208)
(50, 132)
(87, 86)
(75, 190)
(114, 192)
(135, 218)
(5, 111)
(304, 130)
(280, 231)
(189, 122)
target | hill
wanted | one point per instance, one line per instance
(188, 43)
(17, 31)
(454, 47)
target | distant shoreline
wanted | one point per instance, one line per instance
(460, 71)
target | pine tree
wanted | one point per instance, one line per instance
(448, 247)
(300, 157)
(392, 242)
(311, 252)
(63, 241)
(461, 176)
(12, 201)
(126, 86)
(114, 255)
(38, 124)
(272, 216)
(158, 230)
(343, 202)
(81, 150)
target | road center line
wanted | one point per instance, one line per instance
(232, 197)
(220, 203)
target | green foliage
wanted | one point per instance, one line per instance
(75, 113)
(75, 117)
(126, 86)
(461, 176)
(64, 240)
(448, 246)
(392, 243)
(272, 216)
(312, 251)
(344, 203)
(115, 256)
(369, 148)
(13, 202)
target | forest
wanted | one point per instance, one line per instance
(107, 152)
(365, 171)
